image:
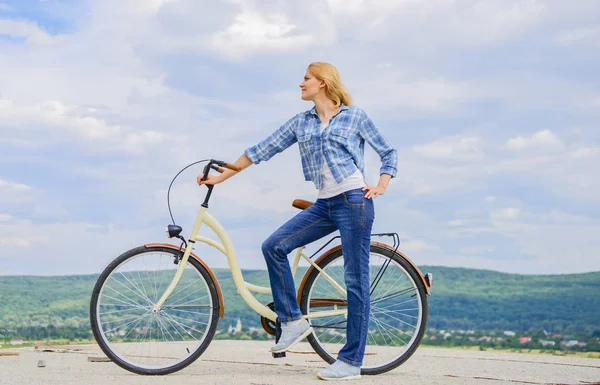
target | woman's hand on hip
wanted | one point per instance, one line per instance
(373, 191)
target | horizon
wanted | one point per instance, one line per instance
(421, 267)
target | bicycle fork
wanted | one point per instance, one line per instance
(182, 262)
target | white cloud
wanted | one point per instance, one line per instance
(31, 32)
(440, 22)
(23, 241)
(548, 244)
(416, 245)
(508, 213)
(15, 193)
(60, 257)
(590, 34)
(58, 117)
(421, 188)
(543, 138)
(255, 30)
(397, 92)
(5, 217)
(455, 148)
(594, 102)
(585, 152)
(495, 20)
(8, 185)
(564, 218)
(478, 249)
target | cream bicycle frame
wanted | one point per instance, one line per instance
(243, 287)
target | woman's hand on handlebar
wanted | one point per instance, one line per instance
(211, 179)
(227, 170)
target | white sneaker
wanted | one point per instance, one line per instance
(340, 371)
(291, 335)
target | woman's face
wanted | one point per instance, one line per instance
(310, 86)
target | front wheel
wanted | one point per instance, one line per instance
(147, 342)
(398, 315)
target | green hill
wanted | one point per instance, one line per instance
(461, 298)
(489, 300)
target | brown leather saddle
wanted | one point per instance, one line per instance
(302, 204)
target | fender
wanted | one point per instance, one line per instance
(423, 280)
(210, 272)
(386, 246)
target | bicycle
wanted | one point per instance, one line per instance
(154, 309)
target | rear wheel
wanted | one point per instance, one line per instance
(398, 316)
(131, 334)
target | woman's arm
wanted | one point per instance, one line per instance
(278, 141)
(242, 162)
(388, 155)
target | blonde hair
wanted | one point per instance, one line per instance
(334, 88)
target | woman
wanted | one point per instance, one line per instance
(331, 138)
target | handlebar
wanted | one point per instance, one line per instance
(214, 164)
(230, 166)
(225, 165)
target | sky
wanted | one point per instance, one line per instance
(493, 105)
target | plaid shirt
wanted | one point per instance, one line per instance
(342, 143)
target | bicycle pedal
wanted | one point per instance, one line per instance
(278, 355)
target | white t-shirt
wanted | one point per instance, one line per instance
(330, 187)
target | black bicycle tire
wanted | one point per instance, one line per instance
(193, 356)
(313, 273)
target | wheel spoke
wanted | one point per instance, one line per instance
(125, 303)
(126, 323)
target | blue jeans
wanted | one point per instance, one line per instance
(352, 214)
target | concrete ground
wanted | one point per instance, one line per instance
(249, 362)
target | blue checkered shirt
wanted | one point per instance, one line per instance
(342, 143)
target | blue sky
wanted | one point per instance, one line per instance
(493, 105)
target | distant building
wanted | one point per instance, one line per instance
(570, 343)
(256, 330)
(235, 329)
(16, 342)
(333, 332)
(509, 333)
(524, 340)
(547, 343)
